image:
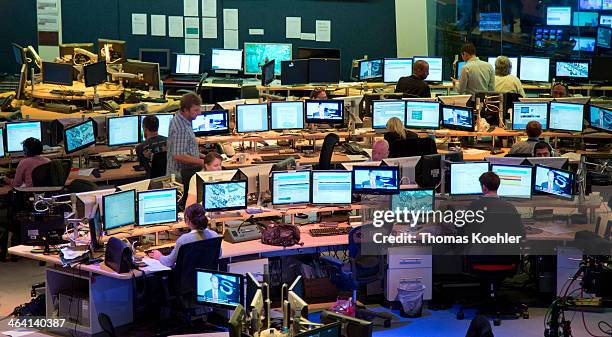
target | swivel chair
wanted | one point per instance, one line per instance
(53, 173)
(327, 150)
(158, 165)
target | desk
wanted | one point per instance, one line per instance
(251, 160)
(43, 91)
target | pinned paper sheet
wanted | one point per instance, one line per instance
(230, 18)
(175, 26)
(256, 31)
(46, 7)
(209, 8)
(293, 27)
(230, 39)
(47, 23)
(85, 172)
(139, 24)
(308, 36)
(323, 30)
(192, 46)
(190, 8)
(192, 28)
(209, 28)
(158, 25)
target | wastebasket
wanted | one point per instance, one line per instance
(410, 295)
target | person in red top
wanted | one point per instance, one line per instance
(33, 149)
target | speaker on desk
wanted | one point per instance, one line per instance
(118, 256)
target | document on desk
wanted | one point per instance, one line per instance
(558, 229)
(153, 265)
(85, 172)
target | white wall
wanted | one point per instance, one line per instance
(411, 19)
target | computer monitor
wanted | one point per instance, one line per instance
(590, 5)
(396, 68)
(150, 74)
(19, 54)
(604, 35)
(324, 70)
(554, 181)
(558, 16)
(157, 207)
(407, 166)
(295, 72)
(138, 186)
(328, 330)
(556, 162)
(226, 61)
(455, 100)
(324, 112)
(600, 118)
(370, 70)
(214, 176)
(435, 67)
(534, 69)
(2, 153)
(57, 73)
(235, 323)
(258, 177)
(382, 111)
(414, 199)
(297, 306)
(291, 187)
(252, 118)
(159, 56)
(256, 312)
(79, 136)
(515, 181)
(349, 166)
(606, 5)
(460, 65)
(331, 187)
(584, 43)
(17, 132)
(287, 115)
(252, 285)
(164, 124)
(514, 61)
(566, 116)
(257, 54)
(422, 115)
(523, 113)
(605, 20)
(42, 229)
(297, 286)
(187, 64)
(89, 202)
(490, 21)
(320, 53)
(464, 177)
(267, 73)
(505, 160)
(209, 123)
(601, 68)
(123, 130)
(225, 196)
(119, 210)
(219, 289)
(94, 74)
(572, 69)
(457, 118)
(376, 180)
(585, 19)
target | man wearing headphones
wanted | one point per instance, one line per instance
(542, 149)
(33, 149)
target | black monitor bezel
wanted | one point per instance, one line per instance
(556, 196)
(573, 78)
(66, 66)
(108, 130)
(152, 191)
(423, 127)
(226, 130)
(431, 57)
(91, 66)
(143, 116)
(533, 57)
(312, 174)
(104, 197)
(396, 58)
(275, 173)
(591, 122)
(222, 209)
(283, 77)
(456, 127)
(66, 129)
(228, 70)
(450, 185)
(372, 79)
(340, 104)
(376, 191)
(386, 101)
(544, 127)
(155, 50)
(6, 134)
(173, 69)
(219, 305)
(284, 102)
(561, 129)
(521, 166)
(267, 117)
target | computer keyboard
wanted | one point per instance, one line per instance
(277, 157)
(195, 78)
(67, 92)
(227, 81)
(329, 231)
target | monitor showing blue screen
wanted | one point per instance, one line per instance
(164, 124)
(490, 21)
(600, 118)
(605, 20)
(370, 69)
(119, 209)
(157, 207)
(17, 132)
(371, 179)
(2, 143)
(604, 35)
(211, 123)
(287, 115)
(583, 43)
(523, 113)
(566, 116)
(464, 177)
(585, 19)
(422, 115)
(413, 200)
(258, 54)
(291, 187)
(396, 68)
(590, 4)
(553, 181)
(79, 136)
(558, 16)
(515, 181)
(435, 68)
(218, 288)
(332, 187)
(457, 118)
(252, 117)
(572, 69)
(330, 111)
(382, 111)
(123, 130)
(223, 196)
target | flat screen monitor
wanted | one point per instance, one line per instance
(164, 124)
(414, 199)
(376, 179)
(225, 196)
(490, 21)
(382, 111)
(435, 68)
(119, 209)
(566, 116)
(585, 19)
(505, 160)
(187, 64)
(534, 69)
(457, 118)
(606, 19)
(159, 56)
(572, 69)
(329, 330)
(332, 187)
(422, 115)
(326, 112)
(257, 54)
(558, 16)
(17, 132)
(123, 130)
(515, 181)
(584, 43)
(324, 70)
(252, 117)
(150, 75)
(318, 53)
(601, 68)
(267, 73)
(157, 207)
(513, 60)
(554, 181)
(226, 60)
(523, 113)
(606, 5)
(94, 74)
(370, 70)
(604, 35)
(215, 122)
(294, 72)
(600, 118)
(464, 177)
(396, 68)
(19, 54)
(555, 162)
(291, 187)
(287, 115)
(2, 153)
(590, 4)
(219, 289)
(79, 136)
(57, 73)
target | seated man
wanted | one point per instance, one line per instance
(153, 143)
(415, 85)
(534, 131)
(559, 89)
(380, 150)
(33, 149)
(542, 149)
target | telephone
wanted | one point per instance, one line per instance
(110, 106)
(6, 104)
(110, 162)
(353, 149)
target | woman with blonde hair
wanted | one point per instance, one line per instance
(396, 131)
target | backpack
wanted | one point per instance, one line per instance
(280, 235)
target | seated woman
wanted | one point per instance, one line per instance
(212, 162)
(396, 131)
(33, 149)
(197, 221)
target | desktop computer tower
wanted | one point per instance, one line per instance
(74, 308)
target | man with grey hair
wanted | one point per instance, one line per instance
(414, 85)
(504, 80)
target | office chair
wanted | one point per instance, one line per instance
(249, 91)
(410, 147)
(358, 272)
(53, 173)
(158, 165)
(106, 324)
(525, 155)
(327, 150)
(186, 175)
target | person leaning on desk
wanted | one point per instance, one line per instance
(196, 220)
(212, 162)
(33, 149)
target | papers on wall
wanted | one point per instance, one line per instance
(230, 18)
(256, 31)
(293, 27)
(46, 7)
(209, 8)
(192, 46)
(158, 25)
(308, 36)
(323, 30)
(209, 28)
(175, 26)
(230, 39)
(192, 28)
(139, 24)
(190, 8)
(47, 23)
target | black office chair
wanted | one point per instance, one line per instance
(186, 175)
(53, 173)
(524, 155)
(249, 91)
(158, 165)
(106, 324)
(327, 150)
(410, 147)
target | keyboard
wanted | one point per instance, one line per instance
(163, 250)
(227, 81)
(278, 157)
(67, 92)
(329, 231)
(195, 78)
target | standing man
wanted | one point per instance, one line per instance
(182, 145)
(476, 75)
(415, 85)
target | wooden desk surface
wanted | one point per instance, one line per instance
(251, 158)
(43, 91)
